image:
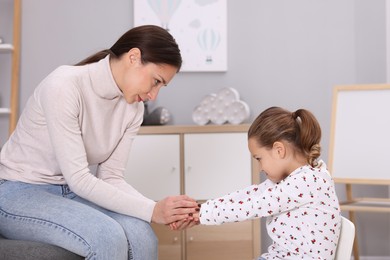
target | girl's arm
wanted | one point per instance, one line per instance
(262, 200)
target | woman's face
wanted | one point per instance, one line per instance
(142, 82)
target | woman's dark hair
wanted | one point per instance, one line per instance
(299, 128)
(156, 45)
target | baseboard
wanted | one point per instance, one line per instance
(373, 258)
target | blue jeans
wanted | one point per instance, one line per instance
(54, 214)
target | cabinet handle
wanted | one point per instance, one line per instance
(175, 239)
(191, 238)
(173, 169)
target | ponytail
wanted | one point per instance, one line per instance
(309, 135)
(95, 57)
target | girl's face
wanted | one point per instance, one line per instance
(142, 82)
(270, 160)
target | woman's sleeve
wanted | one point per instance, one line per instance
(61, 106)
(112, 170)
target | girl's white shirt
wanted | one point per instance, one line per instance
(303, 214)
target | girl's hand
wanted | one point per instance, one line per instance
(183, 224)
(186, 223)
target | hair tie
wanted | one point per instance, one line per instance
(294, 115)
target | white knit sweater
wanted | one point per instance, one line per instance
(78, 117)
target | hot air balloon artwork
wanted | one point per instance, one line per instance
(164, 10)
(198, 26)
(208, 40)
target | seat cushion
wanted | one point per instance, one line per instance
(23, 250)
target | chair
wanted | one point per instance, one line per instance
(347, 236)
(27, 250)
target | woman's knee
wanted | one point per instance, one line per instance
(109, 242)
(115, 236)
(149, 236)
(143, 241)
(142, 231)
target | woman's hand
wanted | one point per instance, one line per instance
(173, 209)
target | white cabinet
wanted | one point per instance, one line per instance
(202, 162)
(154, 165)
(216, 164)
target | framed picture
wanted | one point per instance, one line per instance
(199, 27)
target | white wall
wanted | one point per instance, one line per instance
(285, 53)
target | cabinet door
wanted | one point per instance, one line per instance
(216, 164)
(169, 242)
(154, 165)
(230, 241)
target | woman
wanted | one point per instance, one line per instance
(84, 115)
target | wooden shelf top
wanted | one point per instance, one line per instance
(367, 204)
(185, 129)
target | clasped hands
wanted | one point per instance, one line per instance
(179, 212)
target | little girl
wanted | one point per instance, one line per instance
(298, 198)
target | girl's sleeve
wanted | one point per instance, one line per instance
(257, 201)
(233, 207)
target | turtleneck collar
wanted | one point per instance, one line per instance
(103, 82)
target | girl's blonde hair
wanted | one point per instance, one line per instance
(299, 128)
